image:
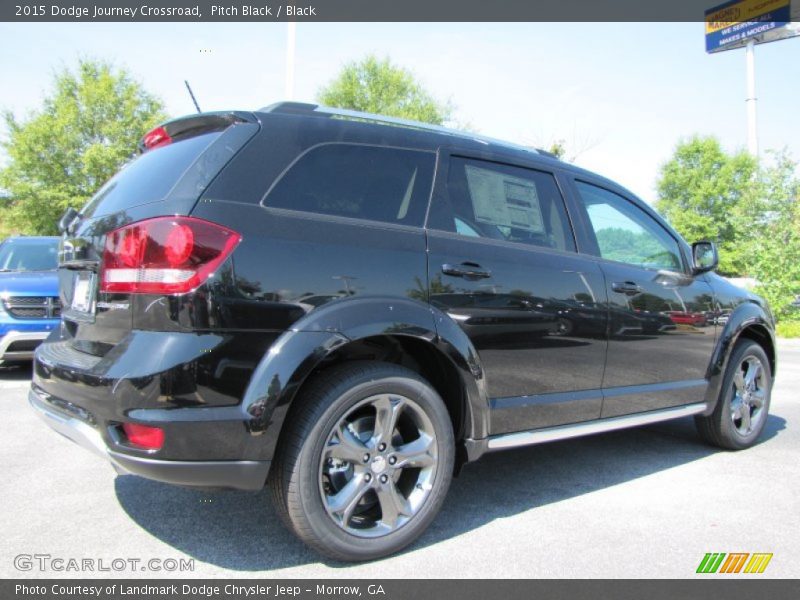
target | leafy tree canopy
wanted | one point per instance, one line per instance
(379, 86)
(750, 208)
(87, 128)
(701, 190)
(773, 250)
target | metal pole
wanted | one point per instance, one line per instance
(752, 132)
(290, 43)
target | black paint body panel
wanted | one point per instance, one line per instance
(541, 342)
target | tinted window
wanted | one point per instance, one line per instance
(361, 182)
(626, 233)
(29, 255)
(505, 203)
(149, 177)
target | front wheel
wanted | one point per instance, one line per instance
(743, 405)
(364, 462)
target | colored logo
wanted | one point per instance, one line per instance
(734, 562)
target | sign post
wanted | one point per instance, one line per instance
(752, 128)
(291, 33)
(738, 23)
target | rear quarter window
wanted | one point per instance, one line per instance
(377, 183)
(150, 177)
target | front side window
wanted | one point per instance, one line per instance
(506, 203)
(391, 185)
(627, 234)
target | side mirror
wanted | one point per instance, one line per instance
(66, 219)
(704, 257)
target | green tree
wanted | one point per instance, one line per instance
(702, 191)
(379, 86)
(750, 208)
(61, 154)
(558, 148)
(773, 254)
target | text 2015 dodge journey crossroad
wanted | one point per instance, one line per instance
(348, 308)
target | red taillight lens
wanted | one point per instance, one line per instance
(165, 255)
(144, 436)
(179, 245)
(155, 138)
(130, 248)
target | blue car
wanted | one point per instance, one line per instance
(29, 303)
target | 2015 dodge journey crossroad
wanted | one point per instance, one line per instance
(347, 308)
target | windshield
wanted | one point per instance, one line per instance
(31, 255)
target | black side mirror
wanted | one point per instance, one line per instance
(66, 219)
(704, 257)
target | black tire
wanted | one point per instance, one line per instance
(721, 428)
(298, 478)
(563, 326)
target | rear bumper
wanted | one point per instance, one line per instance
(20, 345)
(240, 475)
(160, 379)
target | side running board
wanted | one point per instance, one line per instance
(564, 432)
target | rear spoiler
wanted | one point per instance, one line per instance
(186, 127)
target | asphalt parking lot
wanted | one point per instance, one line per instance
(638, 503)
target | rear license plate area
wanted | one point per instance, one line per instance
(83, 292)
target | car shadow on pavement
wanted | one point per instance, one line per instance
(240, 531)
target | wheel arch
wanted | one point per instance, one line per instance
(405, 332)
(748, 321)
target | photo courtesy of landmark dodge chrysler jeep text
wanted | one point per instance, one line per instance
(348, 308)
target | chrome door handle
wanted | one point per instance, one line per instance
(629, 288)
(466, 270)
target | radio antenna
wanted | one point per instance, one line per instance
(194, 100)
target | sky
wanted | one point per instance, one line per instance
(621, 96)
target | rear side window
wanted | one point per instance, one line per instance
(150, 177)
(502, 202)
(391, 185)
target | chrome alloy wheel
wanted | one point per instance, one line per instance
(749, 396)
(378, 465)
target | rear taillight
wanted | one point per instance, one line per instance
(144, 436)
(165, 255)
(156, 138)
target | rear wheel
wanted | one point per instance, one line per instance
(364, 462)
(563, 326)
(743, 405)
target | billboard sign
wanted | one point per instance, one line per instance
(734, 23)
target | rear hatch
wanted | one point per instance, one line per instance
(176, 163)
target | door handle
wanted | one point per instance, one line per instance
(629, 288)
(466, 270)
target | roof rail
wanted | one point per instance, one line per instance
(302, 108)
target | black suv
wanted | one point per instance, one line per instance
(348, 308)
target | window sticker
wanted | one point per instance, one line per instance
(504, 200)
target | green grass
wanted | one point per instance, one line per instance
(788, 329)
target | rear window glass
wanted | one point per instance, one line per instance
(148, 178)
(391, 185)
